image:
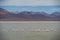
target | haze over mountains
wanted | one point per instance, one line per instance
(5, 15)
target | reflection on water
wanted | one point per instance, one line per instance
(9, 32)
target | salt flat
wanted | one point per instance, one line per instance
(10, 26)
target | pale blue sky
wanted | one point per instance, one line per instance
(29, 2)
(48, 6)
(47, 9)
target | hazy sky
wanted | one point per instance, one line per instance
(31, 5)
(29, 2)
(48, 9)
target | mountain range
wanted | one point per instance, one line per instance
(5, 15)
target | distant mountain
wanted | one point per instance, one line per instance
(29, 16)
(56, 15)
(3, 11)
